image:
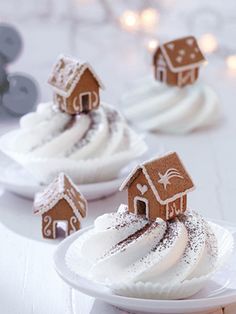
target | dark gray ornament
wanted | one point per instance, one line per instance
(10, 43)
(21, 96)
(4, 84)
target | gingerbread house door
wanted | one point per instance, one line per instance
(141, 206)
(161, 74)
(85, 101)
(60, 223)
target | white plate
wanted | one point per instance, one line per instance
(221, 290)
(17, 180)
(84, 304)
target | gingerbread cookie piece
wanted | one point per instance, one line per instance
(76, 85)
(177, 62)
(158, 188)
(61, 201)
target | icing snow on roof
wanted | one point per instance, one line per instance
(66, 74)
(61, 188)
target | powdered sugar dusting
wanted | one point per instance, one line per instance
(154, 252)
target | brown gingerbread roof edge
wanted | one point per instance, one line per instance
(81, 67)
(169, 60)
(133, 174)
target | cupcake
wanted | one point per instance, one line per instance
(174, 102)
(76, 133)
(154, 247)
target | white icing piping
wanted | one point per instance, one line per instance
(73, 206)
(155, 192)
(46, 230)
(182, 79)
(72, 222)
(126, 182)
(128, 178)
(142, 188)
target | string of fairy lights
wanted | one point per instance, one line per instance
(146, 19)
(149, 18)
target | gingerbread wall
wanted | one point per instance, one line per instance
(156, 57)
(87, 83)
(189, 79)
(62, 211)
(172, 77)
(184, 203)
(77, 198)
(140, 188)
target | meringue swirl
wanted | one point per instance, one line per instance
(124, 247)
(49, 141)
(154, 106)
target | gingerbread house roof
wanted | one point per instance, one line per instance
(166, 176)
(181, 54)
(67, 73)
(61, 188)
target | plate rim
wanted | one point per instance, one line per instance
(203, 303)
(87, 185)
(32, 187)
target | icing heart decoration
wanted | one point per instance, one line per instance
(142, 188)
(190, 41)
(171, 46)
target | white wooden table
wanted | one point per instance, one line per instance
(28, 282)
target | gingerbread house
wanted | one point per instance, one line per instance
(60, 202)
(158, 188)
(177, 62)
(76, 86)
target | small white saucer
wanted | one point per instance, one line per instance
(219, 291)
(84, 304)
(17, 180)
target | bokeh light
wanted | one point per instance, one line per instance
(152, 45)
(149, 18)
(208, 43)
(231, 62)
(129, 20)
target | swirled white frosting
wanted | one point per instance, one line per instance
(88, 147)
(154, 106)
(124, 247)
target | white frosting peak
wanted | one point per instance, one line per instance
(154, 106)
(89, 147)
(124, 247)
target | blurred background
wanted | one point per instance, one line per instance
(118, 37)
